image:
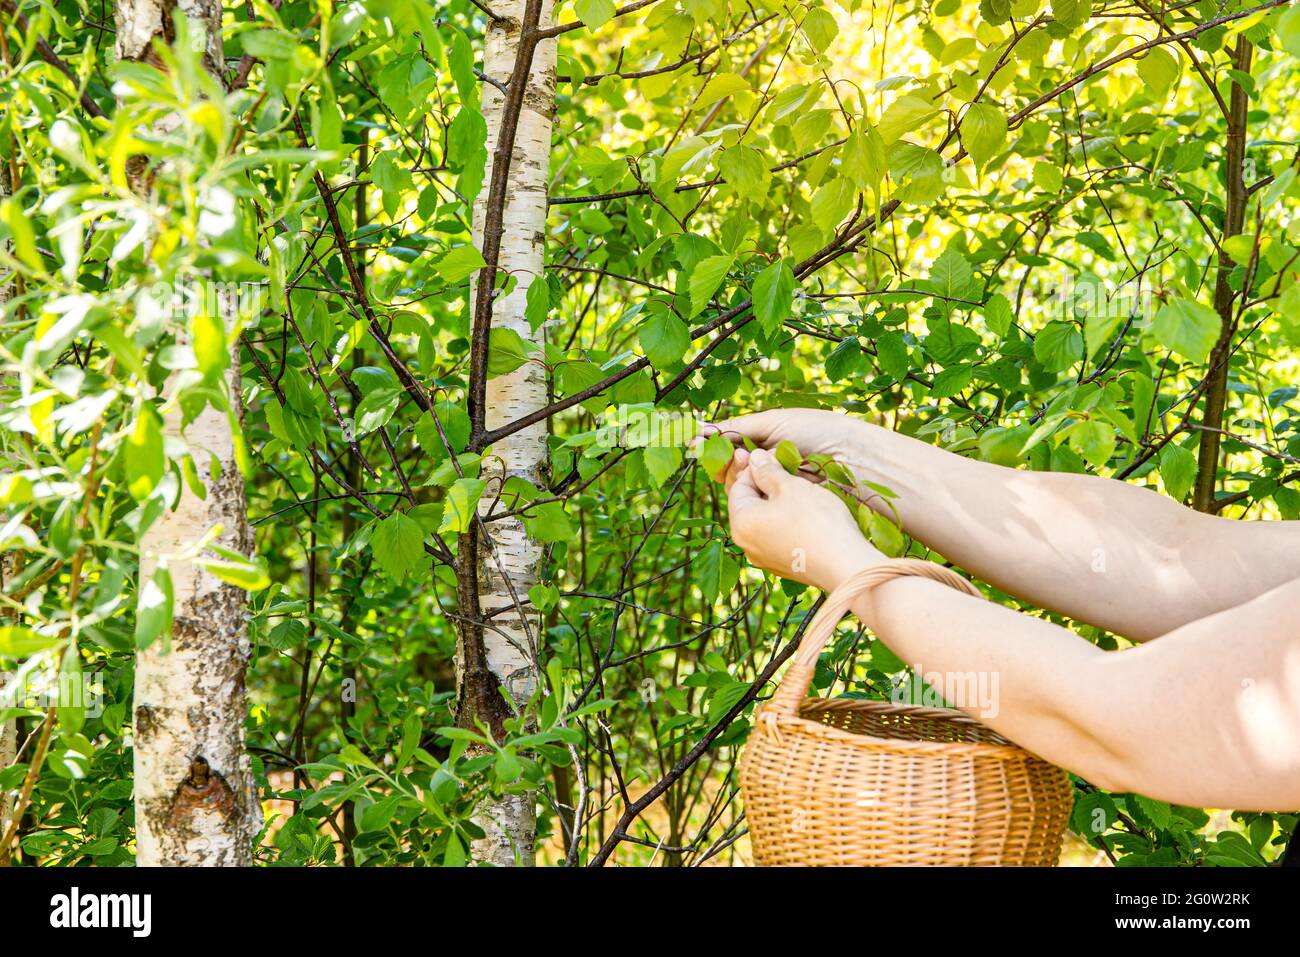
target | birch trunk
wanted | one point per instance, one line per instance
(509, 646)
(195, 799)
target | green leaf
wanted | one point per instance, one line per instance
(820, 28)
(22, 234)
(1099, 326)
(351, 754)
(153, 609)
(250, 574)
(398, 544)
(773, 295)
(379, 815)
(1158, 69)
(507, 351)
(951, 277)
(881, 532)
(891, 355)
(789, 456)
(462, 501)
(862, 158)
(1048, 176)
(998, 315)
(951, 381)
(720, 86)
(595, 13)
(715, 571)
(208, 335)
(375, 409)
(983, 132)
(507, 767)
(1288, 31)
(995, 12)
(1158, 812)
(17, 641)
(544, 597)
(705, 279)
(743, 169)
(1071, 14)
(715, 456)
(459, 263)
(537, 305)
(1058, 346)
(549, 523)
(1178, 470)
(268, 44)
(662, 462)
(1288, 503)
(832, 202)
(143, 455)
(844, 359)
(664, 339)
(1095, 441)
(907, 114)
(1187, 328)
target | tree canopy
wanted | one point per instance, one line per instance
(1056, 236)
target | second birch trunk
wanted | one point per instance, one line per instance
(510, 561)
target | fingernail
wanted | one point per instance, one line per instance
(760, 456)
(708, 429)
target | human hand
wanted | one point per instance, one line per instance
(813, 431)
(790, 527)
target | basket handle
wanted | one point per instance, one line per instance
(798, 678)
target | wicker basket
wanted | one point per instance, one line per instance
(850, 782)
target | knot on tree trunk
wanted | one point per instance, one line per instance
(203, 791)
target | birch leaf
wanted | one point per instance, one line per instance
(664, 339)
(595, 13)
(398, 544)
(462, 501)
(1187, 328)
(705, 280)
(773, 295)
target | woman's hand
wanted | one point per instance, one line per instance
(791, 527)
(814, 431)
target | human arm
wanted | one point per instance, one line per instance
(1097, 550)
(1207, 716)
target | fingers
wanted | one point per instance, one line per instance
(759, 427)
(766, 472)
(742, 493)
(739, 462)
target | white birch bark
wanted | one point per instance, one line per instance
(195, 799)
(510, 822)
(8, 751)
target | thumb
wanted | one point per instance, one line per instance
(743, 493)
(767, 472)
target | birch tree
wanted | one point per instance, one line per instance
(194, 794)
(510, 229)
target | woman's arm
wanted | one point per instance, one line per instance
(1208, 717)
(1114, 555)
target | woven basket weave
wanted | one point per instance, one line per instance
(850, 782)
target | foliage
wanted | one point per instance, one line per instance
(996, 229)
